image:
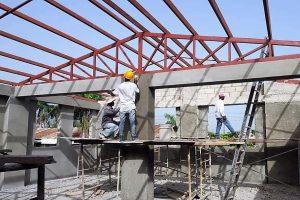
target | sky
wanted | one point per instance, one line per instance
(245, 19)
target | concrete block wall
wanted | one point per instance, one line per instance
(283, 121)
(236, 93)
(277, 116)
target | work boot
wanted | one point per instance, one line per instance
(101, 136)
(236, 134)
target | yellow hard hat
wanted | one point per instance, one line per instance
(129, 74)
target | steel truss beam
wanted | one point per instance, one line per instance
(165, 37)
(247, 71)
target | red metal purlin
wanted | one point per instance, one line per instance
(12, 71)
(213, 52)
(141, 27)
(251, 52)
(8, 82)
(179, 54)
(222, 20)
(34, 63)
(268, 24)
(15, 8)
(188, 26)
(83, 70)
(153, 53)
(88, 55)
(127, 57)
(156, 23)
(105, 64)
(47, 27)
(90, 24)
(40, 47)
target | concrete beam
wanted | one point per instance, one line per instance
(268, 70)
(6, 90)
(68, 87)
(70, 101)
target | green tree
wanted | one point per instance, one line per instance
(47, 114)
(170, 119)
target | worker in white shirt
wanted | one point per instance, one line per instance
(127, 92)
(221, 116)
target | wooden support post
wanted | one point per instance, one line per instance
(299, 159)
(189, 173)
(41, 183)
(167, 171)
(82, 170)
(210, 178)
(119, 166)
(201, 174)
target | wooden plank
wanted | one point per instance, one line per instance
(23, 159)
(5, 151)
(217, 143)
(15, 167)
(145, 142)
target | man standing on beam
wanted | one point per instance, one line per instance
(127, 92)
(221, 116)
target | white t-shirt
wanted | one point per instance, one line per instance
(219, 109)
(126, 92)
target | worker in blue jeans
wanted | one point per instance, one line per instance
(127, 93)
(221, 117)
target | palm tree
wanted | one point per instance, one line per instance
(170, 119)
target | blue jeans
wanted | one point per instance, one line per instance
(131, 114)
(219, 125)
(109, 129)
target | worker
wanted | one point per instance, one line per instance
(127, 93)
(109, 126)
(221, 116)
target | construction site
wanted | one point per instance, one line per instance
(63, 64)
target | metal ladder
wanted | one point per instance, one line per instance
(240, 151)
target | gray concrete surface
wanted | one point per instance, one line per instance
(269, 70)
(6, 90)
(283, 121)
(16, 125)
(137, 181)
(193, 121)
(68, 87)
(145, 109)
(70, 101)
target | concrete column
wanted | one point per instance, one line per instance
(178, 121)
(3, 138)
(65, 124)
(67, 156)
(31, 135)
(15, 132)
(93, 125)
(137, 173)
(145, 109)
(3, 101)
(193, 121)
(202, 121)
